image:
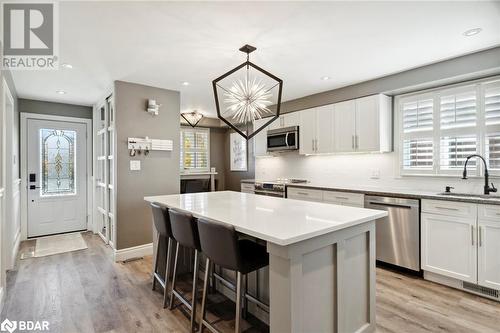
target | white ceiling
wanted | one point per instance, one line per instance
(165, 43)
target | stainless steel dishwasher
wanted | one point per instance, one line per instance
(398, 234)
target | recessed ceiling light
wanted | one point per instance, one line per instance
(472, 32)
(60, 92)
(185, 83)
(324, 78)
(66, 65)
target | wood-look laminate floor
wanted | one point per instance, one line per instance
(85, 291)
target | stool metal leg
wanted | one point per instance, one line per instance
(167, 271)
(204, 295)
(237, 325)
(195, 284)
(245, 300)
(155, 260)
(174, 274)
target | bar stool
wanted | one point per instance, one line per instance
(161, 220)
(185, 232)
(219, 242)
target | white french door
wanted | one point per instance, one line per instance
(56, 177)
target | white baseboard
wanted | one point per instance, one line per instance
(133, 252)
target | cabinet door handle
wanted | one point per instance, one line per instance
(356, 142)
(303, 193)
(480, 234)
(472, 234)
(312, 141)
(446, 208)
(341, 198)
(352, 141)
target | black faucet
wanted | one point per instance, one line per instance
(487, 188)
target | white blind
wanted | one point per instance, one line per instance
(195, 150)
(492, 105)
(454, 152)
(458, 110)
(492, 151)
(417, 115)
(418, 154)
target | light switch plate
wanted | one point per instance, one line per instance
(135, 165)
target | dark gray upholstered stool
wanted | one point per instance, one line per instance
(219, 242)
(161, 221)
(185, 232)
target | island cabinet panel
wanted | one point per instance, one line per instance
(489, 246)
(449, 246)
(333, 282)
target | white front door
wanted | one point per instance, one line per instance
(57, 177)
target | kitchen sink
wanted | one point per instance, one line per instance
(470, 195)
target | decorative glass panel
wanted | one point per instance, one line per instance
(58, 160)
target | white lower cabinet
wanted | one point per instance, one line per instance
(488, 265)
(449, 246)
(461, 241)
(331, 197)
(304, 194)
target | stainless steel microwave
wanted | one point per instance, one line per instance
(283, 139)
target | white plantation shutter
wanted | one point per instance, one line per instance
(492, 151)
(195, 149)
(439, 129)
(458, 110)
(418, 154)
(417, 115)
(492, 104)
(454, 152)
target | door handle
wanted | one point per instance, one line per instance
(472, 234)
(34, 187)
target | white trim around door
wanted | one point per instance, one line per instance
(24, 168)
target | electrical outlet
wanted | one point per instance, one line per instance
(375, 174)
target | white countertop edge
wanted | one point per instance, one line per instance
(281, 241)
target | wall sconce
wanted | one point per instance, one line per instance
(152, 107)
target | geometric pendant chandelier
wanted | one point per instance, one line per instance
(247, 93)
(192, 118)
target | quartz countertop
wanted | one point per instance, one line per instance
(276, 220)
(403, 193)
(494, 199)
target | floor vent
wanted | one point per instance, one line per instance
(481, 290)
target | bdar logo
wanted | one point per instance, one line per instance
(9, 326)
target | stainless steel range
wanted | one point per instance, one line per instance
(275, 188)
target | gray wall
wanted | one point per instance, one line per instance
(233, 178)
(467, 67)
(218, 155)
(55, 109)
(159, 170)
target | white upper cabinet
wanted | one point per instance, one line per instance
(260, 140)
(324, 129)
(285, 120)
(360, 125)
(307, 131)
(345, 126)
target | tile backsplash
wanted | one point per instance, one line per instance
(377, 170)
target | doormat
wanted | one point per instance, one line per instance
(50, 245)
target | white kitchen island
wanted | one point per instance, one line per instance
(321, 256)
